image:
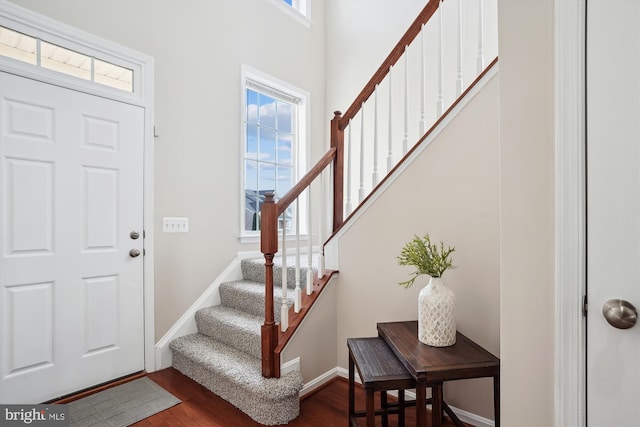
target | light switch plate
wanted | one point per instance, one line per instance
(175, 225)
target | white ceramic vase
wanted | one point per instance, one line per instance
(436, 314)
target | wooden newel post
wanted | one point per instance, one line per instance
(269, 247)
(337, 141)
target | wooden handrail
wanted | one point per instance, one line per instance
(305, 181)
(397, 52)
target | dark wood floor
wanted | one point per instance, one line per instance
(326, 407)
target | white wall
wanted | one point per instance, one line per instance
(527, 250)
(359, 36)
(198, 47)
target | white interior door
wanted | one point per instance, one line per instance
(613, 211)
(71, 295)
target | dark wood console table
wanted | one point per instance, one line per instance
(432, 366)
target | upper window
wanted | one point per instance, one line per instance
(46, 55)
(272, 153)
(298, 9)
(299, 5)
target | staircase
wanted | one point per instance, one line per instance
(224, 355)
(236, 351)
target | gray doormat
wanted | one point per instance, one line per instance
(122, 405)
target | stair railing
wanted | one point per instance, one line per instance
(417, 83)
(273, 338)
(276, 214)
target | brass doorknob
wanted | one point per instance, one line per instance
(620, 314)
(134, 253)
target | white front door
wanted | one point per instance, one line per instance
(71, 193)
(613, 209)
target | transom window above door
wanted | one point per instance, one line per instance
(40, 53)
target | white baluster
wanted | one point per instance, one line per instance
(459, 82)
(440, 101)
(321, 233)
(310, 245)
(298, 292)
(405, 139)
(284, 309)
(374, 177)
(390, 154)
(361, 189)
(480, 58)
(422, 78)
(349, 206)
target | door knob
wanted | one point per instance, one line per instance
(619, 313)
(134, 253)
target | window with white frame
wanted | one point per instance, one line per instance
(299, 9)
(301, 6)
(273, 145)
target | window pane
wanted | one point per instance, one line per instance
(252, 106)
(283, 148)
(289, 2)
(252, 209)
(18, 46)
(285, 117)
(285, 179)
(251, 175)
(113, 75)
(267, 179)
(267, 111)
(65, 61)
(267, 145)
(251, 150)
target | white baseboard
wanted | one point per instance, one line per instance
(290, 366)
(318, 382)
(465, 416)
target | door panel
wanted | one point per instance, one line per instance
(71, 297)
(613, 211)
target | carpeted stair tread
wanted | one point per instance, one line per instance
(236, 377)
(233, 327)
(248, 296)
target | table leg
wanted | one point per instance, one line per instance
(436, 405)
(352, 400)
(371, 408)
(496, 399)
(421, 402)
(401, 405)
(383, 405)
